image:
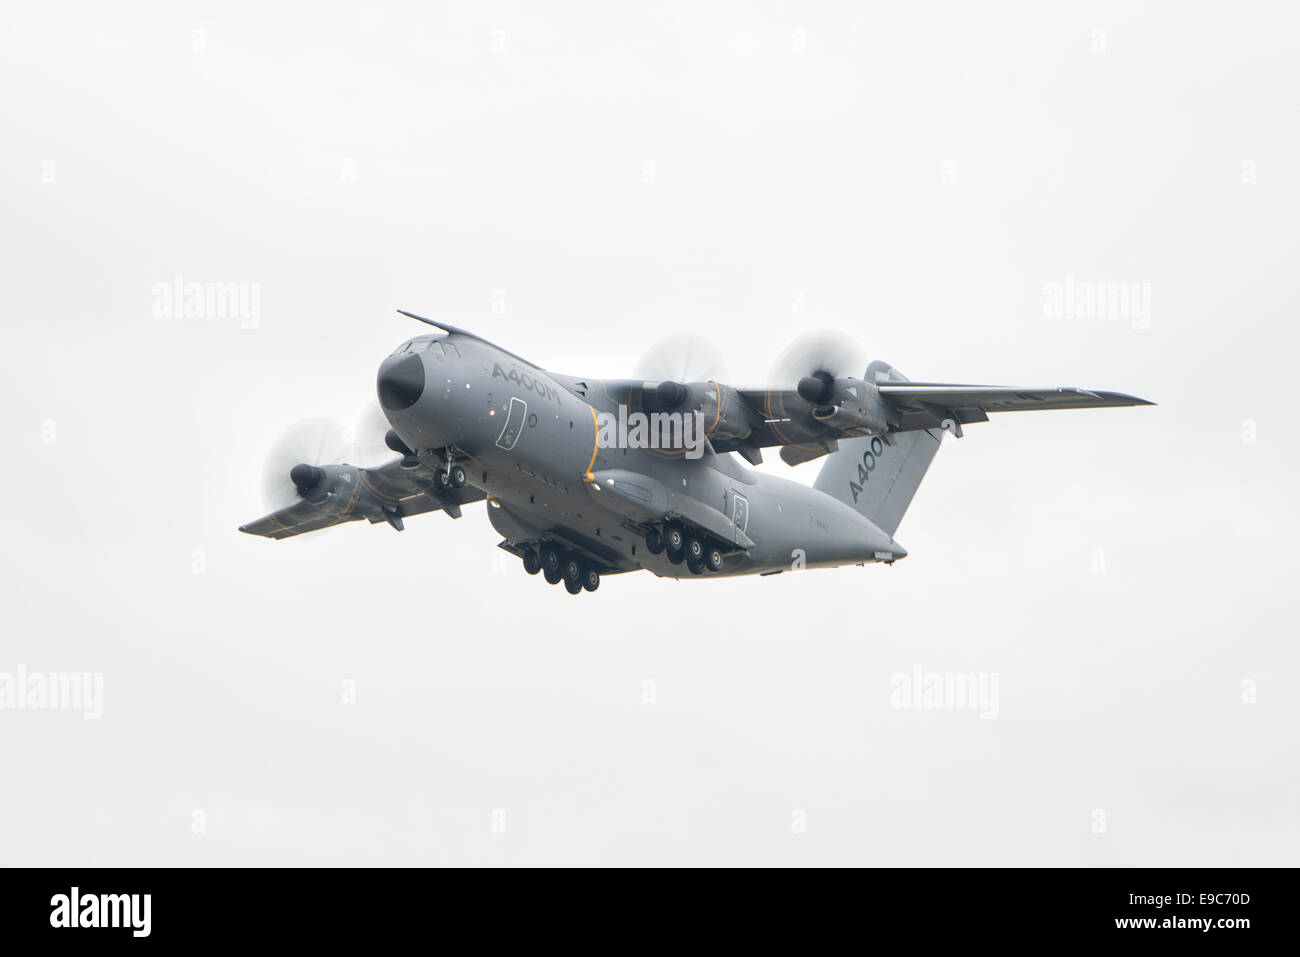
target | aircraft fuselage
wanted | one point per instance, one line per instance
(532, 441)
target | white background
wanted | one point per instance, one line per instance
(574, 181)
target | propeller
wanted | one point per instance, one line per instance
(681, 358)
(293, 465)
(670, 394)
(812, 363)
(367, 437)
(817, 388)
(674, 360)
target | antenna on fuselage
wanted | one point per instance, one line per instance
(445, 327)
(458, 331)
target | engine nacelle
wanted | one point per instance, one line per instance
(855, 406)
(338, 489)
(725, 414)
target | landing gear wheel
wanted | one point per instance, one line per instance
(694, 550)
(695, 565)
(532, 563)
(572, 587)
(442, 481)
(654, 541)
(674, 542)
(550, 556)
(713, 558)
(590, 579)
(571, 568)
(552, 575)
(458, 476)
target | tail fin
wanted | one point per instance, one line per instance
(877, 479)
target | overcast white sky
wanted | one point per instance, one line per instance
(574, 181)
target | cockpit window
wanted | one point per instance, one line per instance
(433, 344)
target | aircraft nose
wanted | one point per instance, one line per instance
(401, 382)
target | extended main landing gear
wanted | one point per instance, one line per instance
(561, 565)
(699, 552)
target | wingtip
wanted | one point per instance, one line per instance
(1135, 400)
(1123, 398)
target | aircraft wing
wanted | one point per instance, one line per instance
(781, 417)
(922, 405)
(389, 493)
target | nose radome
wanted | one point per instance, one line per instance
(401, 382)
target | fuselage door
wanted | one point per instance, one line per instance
(739, 510)
(514, 424)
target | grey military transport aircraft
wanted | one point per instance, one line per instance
(591, 477)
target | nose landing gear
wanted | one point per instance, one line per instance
(453, 477)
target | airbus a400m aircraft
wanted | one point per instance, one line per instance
(591, 477)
